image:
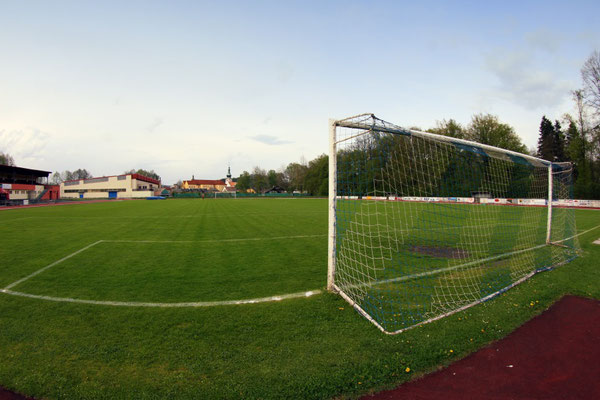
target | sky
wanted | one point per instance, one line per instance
(189, 87)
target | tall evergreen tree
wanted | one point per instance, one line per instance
(545, 148)
(558, 143)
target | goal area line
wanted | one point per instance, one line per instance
(194, 304)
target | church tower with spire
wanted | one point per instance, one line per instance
(229, 183)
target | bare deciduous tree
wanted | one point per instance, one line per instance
(590, 73)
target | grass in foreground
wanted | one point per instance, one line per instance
(315, 347)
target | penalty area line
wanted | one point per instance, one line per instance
(196, 304)
(217, 240)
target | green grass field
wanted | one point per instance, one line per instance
(147, 255)
(407, 262)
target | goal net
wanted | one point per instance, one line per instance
(422, 225)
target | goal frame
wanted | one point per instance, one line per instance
(364, 129)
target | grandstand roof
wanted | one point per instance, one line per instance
(11, 174)
(23, 171)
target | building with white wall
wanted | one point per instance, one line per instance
(126, 186)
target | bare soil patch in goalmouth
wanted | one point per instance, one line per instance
(440, 252)
(553, 356)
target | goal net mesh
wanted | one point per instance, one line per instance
(426, 226)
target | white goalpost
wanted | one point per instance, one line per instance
(422, 226)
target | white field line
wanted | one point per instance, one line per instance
(578, 234)
(39, 271)
(167, 305)
(153, 241)
(488, 297)
(441, 270)
(216, 240)
(174, 216)
(309, 293)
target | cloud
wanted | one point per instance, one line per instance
(544, 40)
(270, 140)
(26, 146)
(156, 123)
(523, 82)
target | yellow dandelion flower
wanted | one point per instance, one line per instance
(407, 370)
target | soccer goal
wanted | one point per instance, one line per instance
(422, 226)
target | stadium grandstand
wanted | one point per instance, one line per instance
(20, 186)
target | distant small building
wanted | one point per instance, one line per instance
(165, 191)
(110, 187)
(209, 185)
(23, 185)
(205, 184)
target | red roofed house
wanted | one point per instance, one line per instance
(228, 185)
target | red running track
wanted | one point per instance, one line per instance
(556, 355)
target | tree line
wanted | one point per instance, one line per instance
(59, 177)
(578, 143)
(572, 138)
(305, 177)
(579, 140)
(312, 177)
